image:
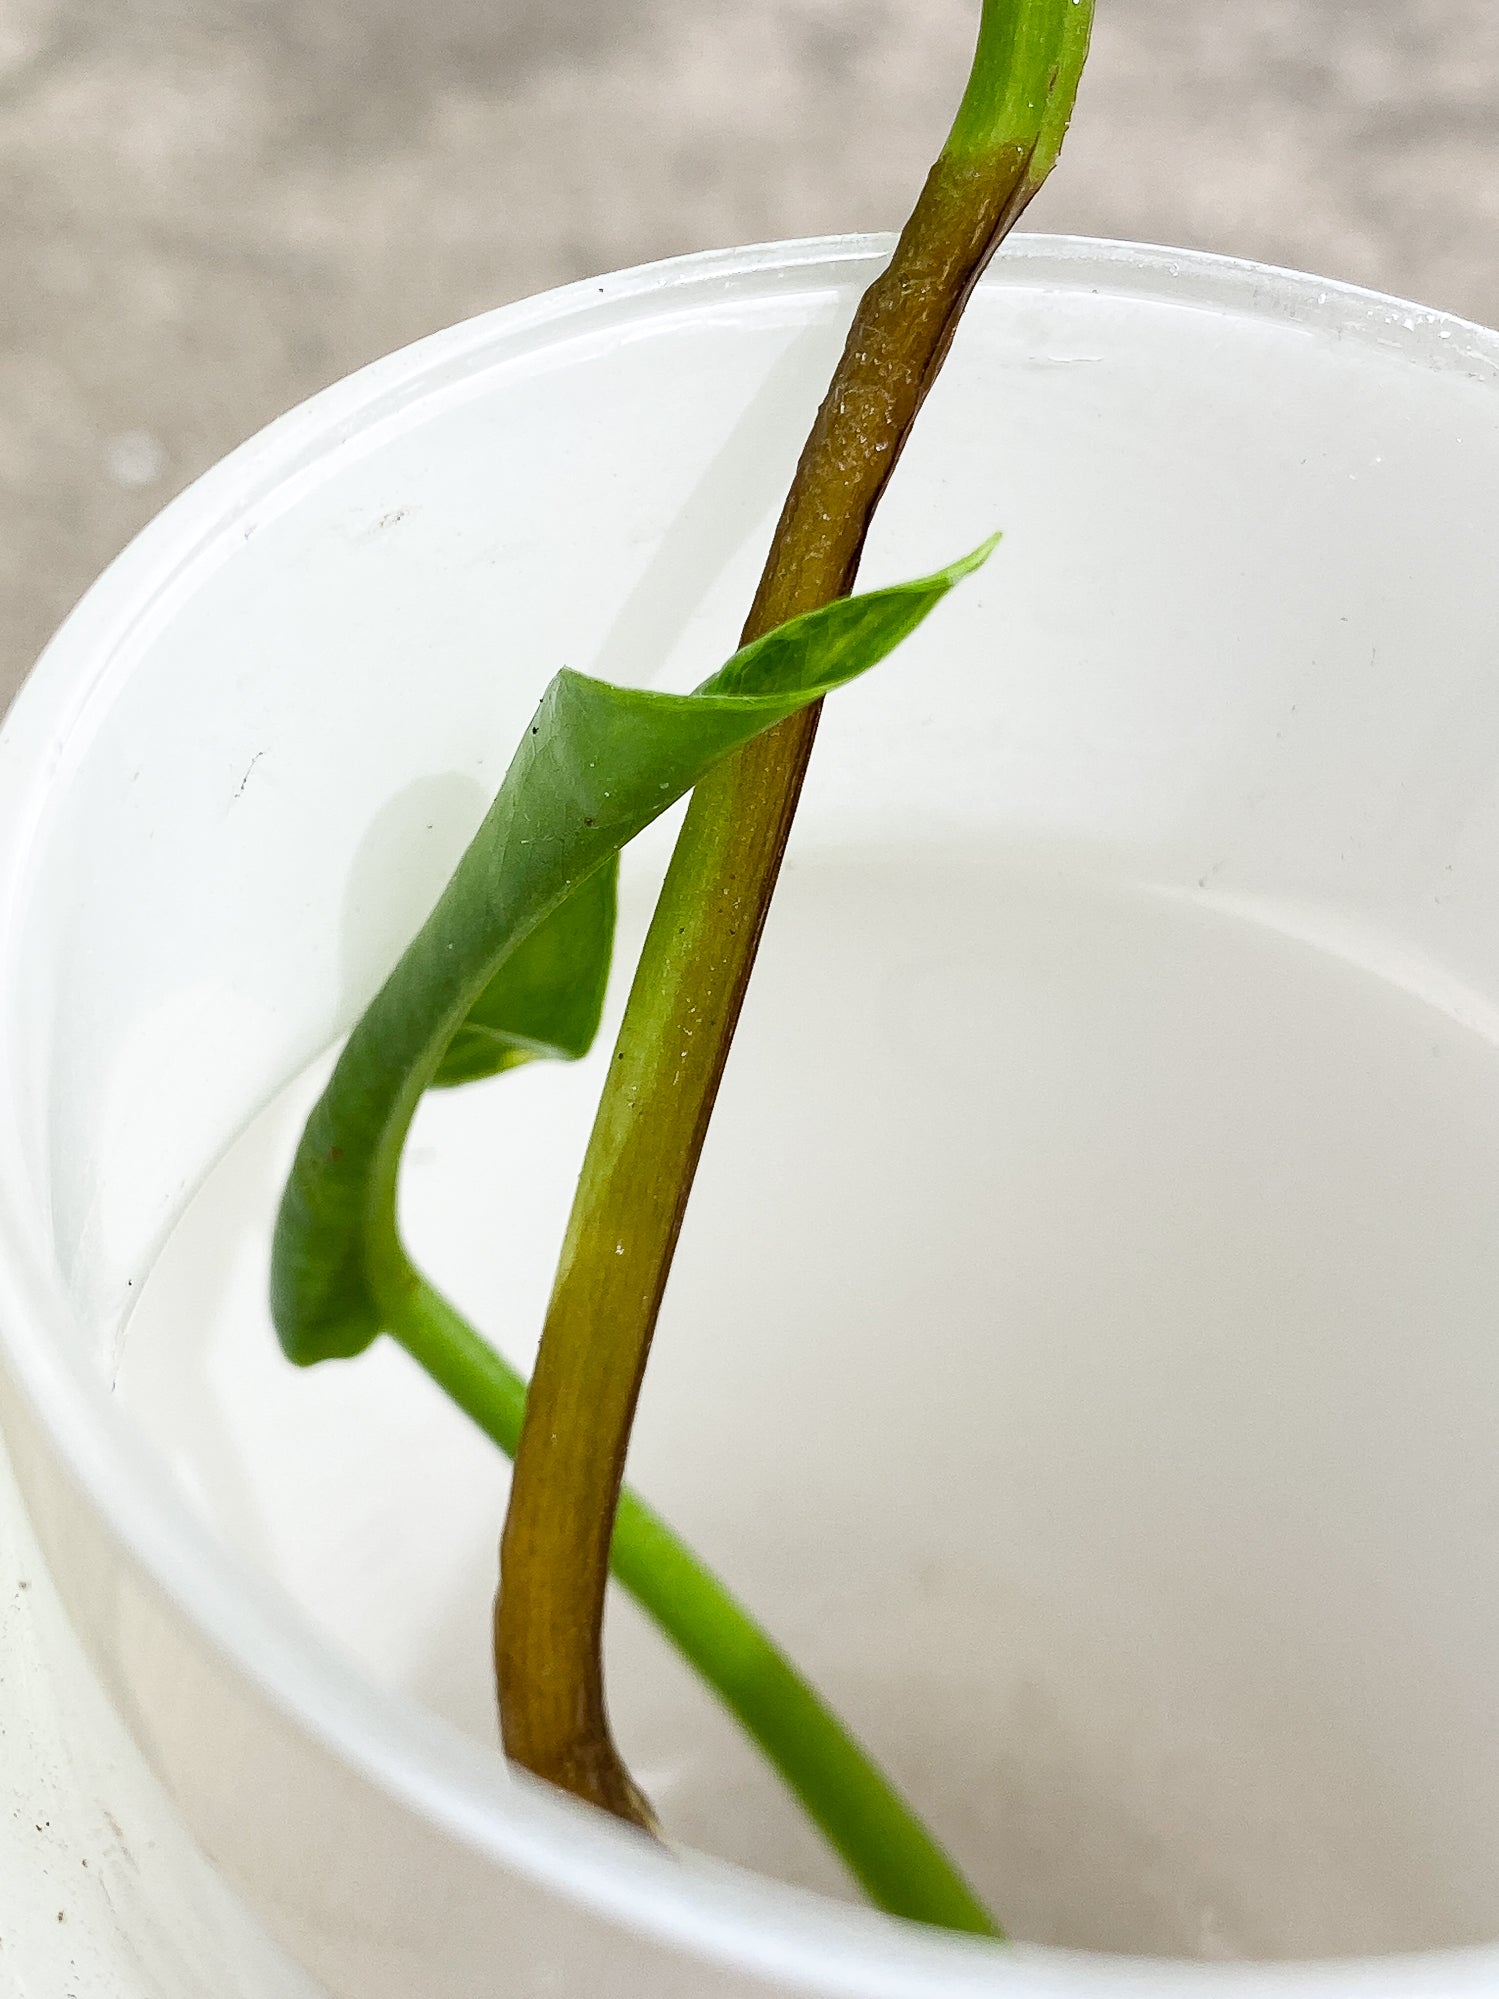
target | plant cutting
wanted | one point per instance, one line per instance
(511, 966)
(1108, 1428)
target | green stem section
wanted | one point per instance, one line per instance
(886, 1848)
(690, 983)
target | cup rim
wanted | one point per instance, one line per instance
(722, 1915)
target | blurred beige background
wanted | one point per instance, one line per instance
(210, 208)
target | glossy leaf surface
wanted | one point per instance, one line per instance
(545, 1000)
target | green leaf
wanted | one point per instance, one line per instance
(545, 1000)
(597, 764)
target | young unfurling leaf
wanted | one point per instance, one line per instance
(596, 765)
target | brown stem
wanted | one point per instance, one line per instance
(683, 1009)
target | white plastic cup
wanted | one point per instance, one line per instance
(1083, 1348)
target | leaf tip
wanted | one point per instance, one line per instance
(975, 559)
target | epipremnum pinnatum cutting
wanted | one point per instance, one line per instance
(511, 966)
